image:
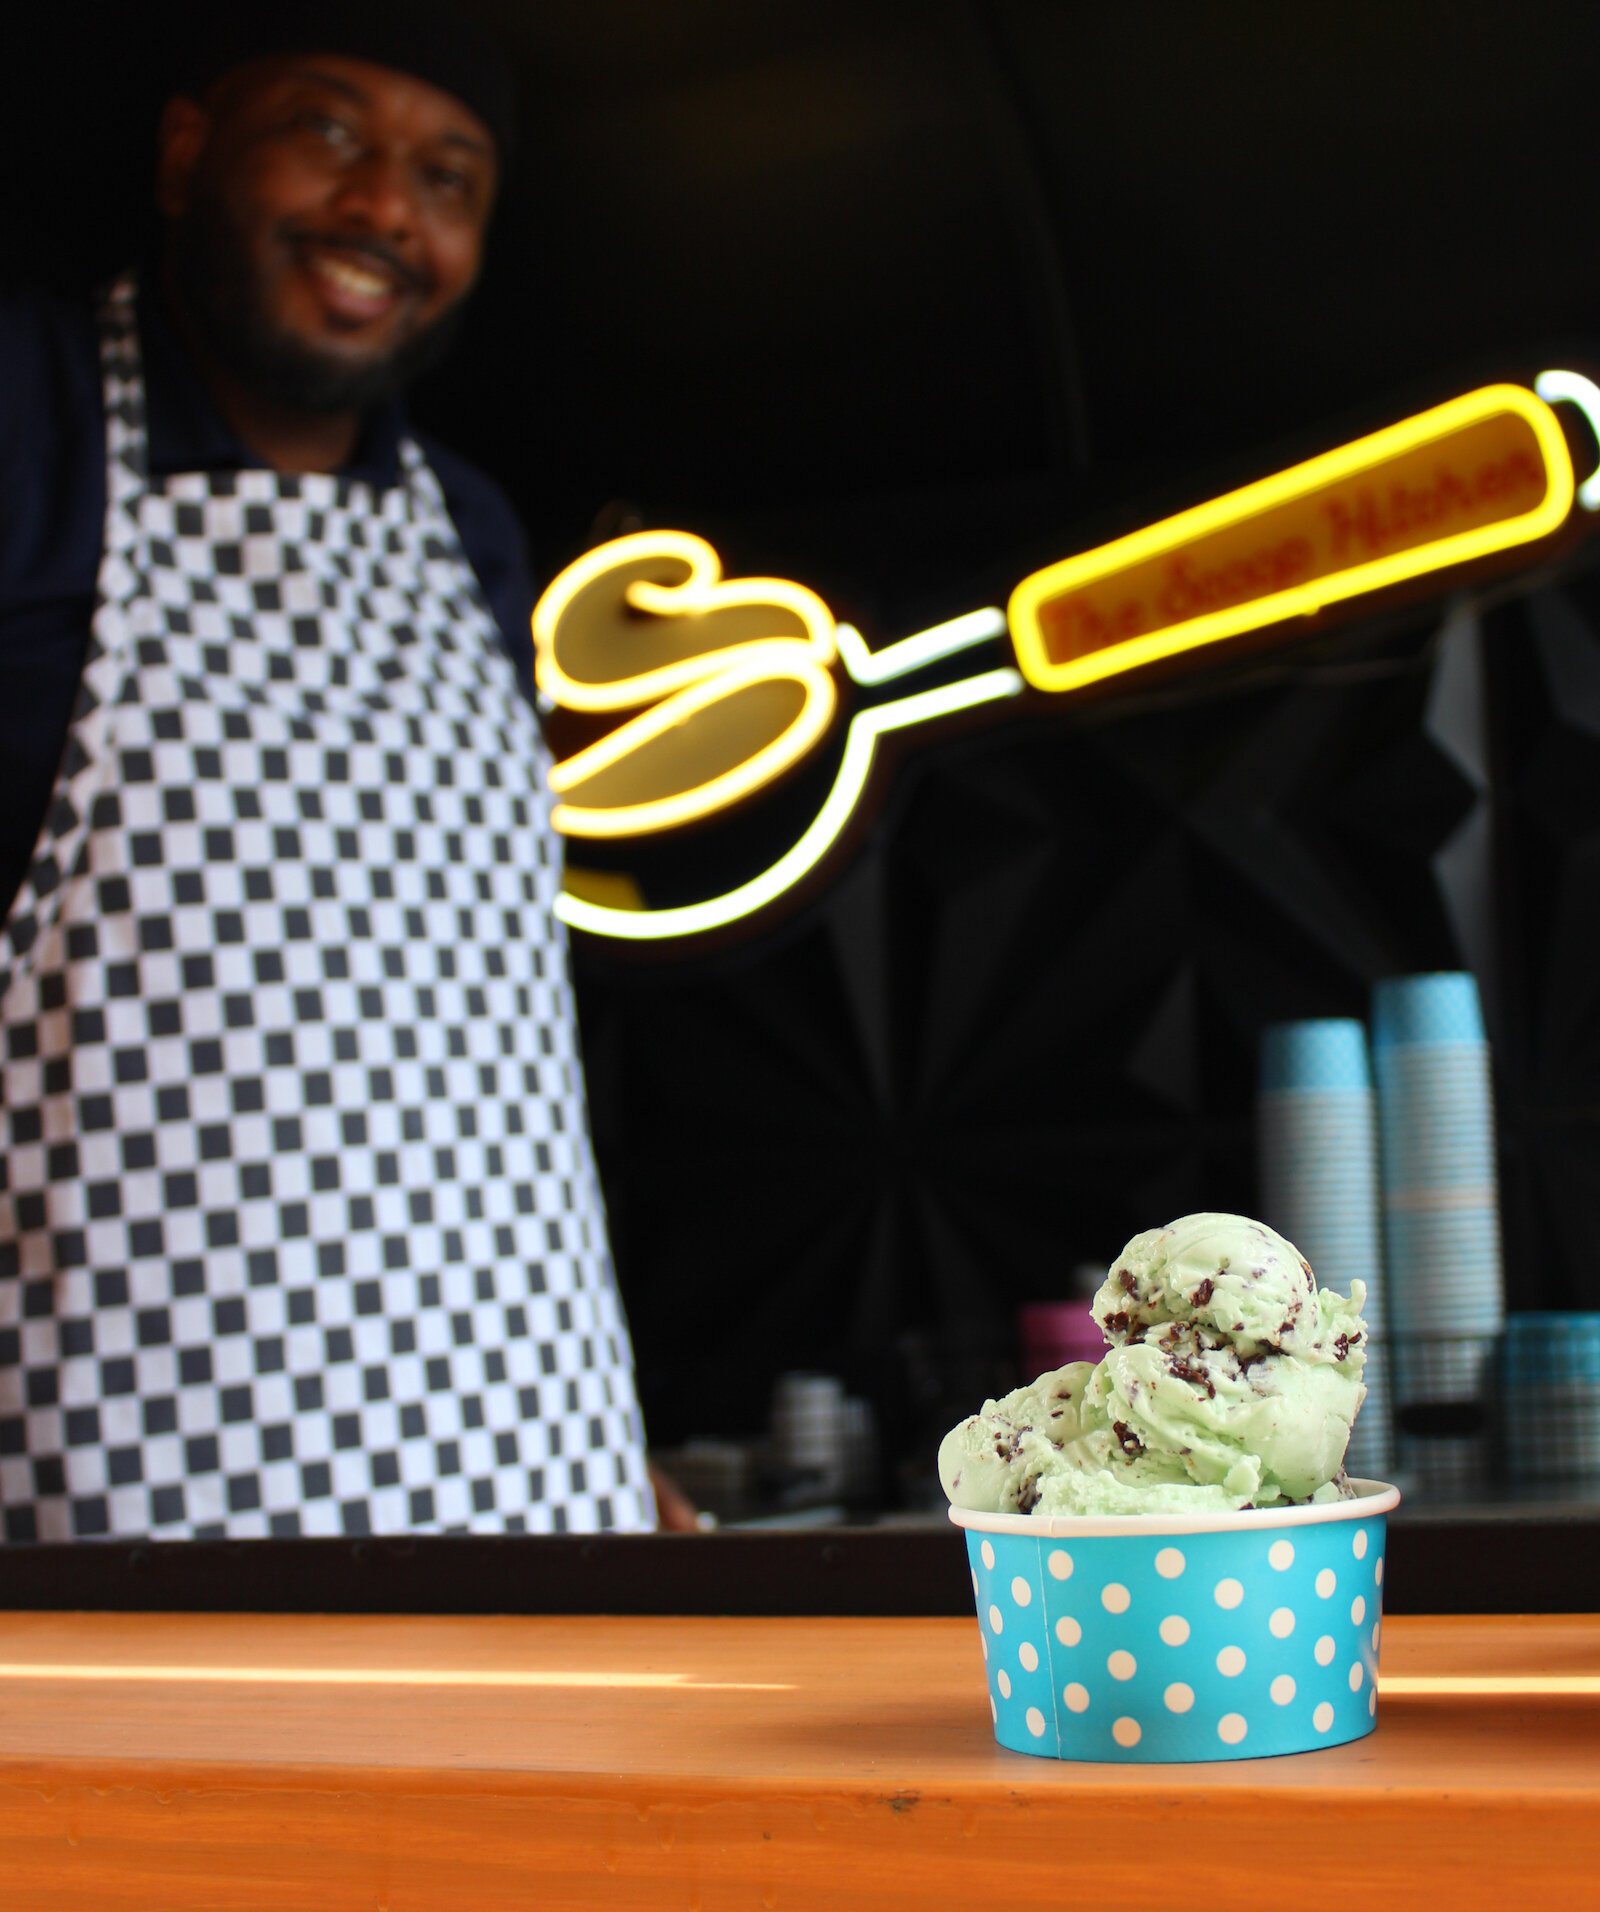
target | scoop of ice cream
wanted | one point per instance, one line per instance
(1055, 1447)
(1231, 1381)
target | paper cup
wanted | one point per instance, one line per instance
(1549, 1391)
(1181, 1638)
(1319, 1055)
(1441, 1008)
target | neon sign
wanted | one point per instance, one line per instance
(1454, 484)
(733, 682)
(732, 676)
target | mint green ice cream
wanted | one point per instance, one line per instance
(1230, 1381)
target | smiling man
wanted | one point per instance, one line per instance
(326, 221)
(300, 1230)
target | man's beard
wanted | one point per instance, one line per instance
(214, 279)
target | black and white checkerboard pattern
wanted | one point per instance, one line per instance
(300, 1231)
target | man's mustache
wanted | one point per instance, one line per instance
(359, 246)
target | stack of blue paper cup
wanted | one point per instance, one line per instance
(1550, 1397)
(1316, 1138)
(1441, 1221)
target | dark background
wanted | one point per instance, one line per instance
(900, 298)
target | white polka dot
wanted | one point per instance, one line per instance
(996, 1624)
(1034, 1721)
(986, 1552)
(1174, 1630)
(1358, 1546)
(1322, 1718)
(1170, 1563)
(1076, 1697)
(994, 1711)
(1377, 1572)
(1122, 1665)
(974, 1583)
(1002, 1679)
(1327, 1580)
(1125, 1731)
(1282, 1689)
(1323, 1650)
(1114, 1597)
(1028, 1657)
(1358, 1611)
(1377, 1628)
(1021, 1592)
(1068, 1632)
(1179, 1698)
(1281, 1625)
(1060, 1564)
(1231, 1728)
(1372, 1704)
(1230, 1662)
(1281, 1554)
(1357, 1674)
(1228, 1594)
(983, 1641)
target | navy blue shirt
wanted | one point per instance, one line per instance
(52, 520)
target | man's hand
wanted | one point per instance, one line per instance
(674, 1509)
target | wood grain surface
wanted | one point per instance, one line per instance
(294, 1763)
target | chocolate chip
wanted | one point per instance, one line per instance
(1127, 1281)
(1203, 1293)
(1127, 1440)
(1195, 1375)
(1027, 1496)
(1117, 1323)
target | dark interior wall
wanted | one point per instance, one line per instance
(899, 297)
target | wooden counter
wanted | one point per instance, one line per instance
(297, 1763)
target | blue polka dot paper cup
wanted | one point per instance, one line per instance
(1180, 1638)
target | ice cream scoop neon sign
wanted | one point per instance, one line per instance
(732, 682)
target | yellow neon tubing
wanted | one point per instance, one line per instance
(763, 662)
(704, 590)
(1283, 487)
(860, 746)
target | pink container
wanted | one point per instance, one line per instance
(1053, 1333)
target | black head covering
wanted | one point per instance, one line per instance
(429, 39)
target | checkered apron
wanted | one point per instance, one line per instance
(300, 1231)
